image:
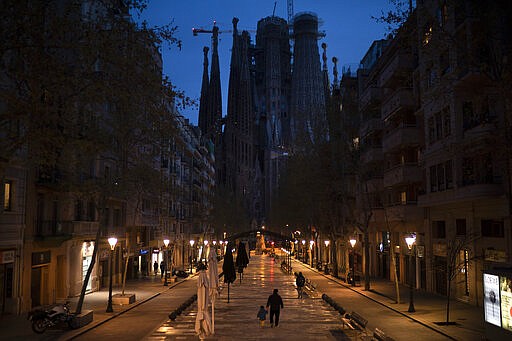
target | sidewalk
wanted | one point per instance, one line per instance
(14, 327)
(430, 308)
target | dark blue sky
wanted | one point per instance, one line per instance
(348, 25)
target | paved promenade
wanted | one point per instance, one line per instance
(306, 319)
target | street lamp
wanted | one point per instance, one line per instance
(192, 252)
(303, 249)
(112, 241)
(327, 242)
(311, 243)
(411, 240)
(166, 243)
(353, 243)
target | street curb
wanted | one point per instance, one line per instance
(337, 281)
(99, 323)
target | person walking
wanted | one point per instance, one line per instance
(262, 316)
(300, 281)
(155, 267)
(275, 302)
(162, 268)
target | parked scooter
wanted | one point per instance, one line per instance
(48, 316)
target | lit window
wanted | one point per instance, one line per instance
(403, 198)
(427, 35)
(7, 195)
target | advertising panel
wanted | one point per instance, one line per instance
(506, 302)
(492, 299)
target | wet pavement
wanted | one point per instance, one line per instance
(310, 318)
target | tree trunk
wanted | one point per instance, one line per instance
(334, 258)
(393, 262)
(124, 273)
(366, 260)
(126, 261)
(448, 296)
(89, 271)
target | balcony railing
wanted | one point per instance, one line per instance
(54, 228)
(405, 135)
(400, 99)
(372, 153)
(401, 63)
(370, 125)
(402, 174)
(371, 94)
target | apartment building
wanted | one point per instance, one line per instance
(433, 113)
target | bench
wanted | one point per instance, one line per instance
(354, 321)
(379, 335)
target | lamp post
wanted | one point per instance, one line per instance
(204, 256)
(327, 242)
(303, 249)
(411, 240)
(166, 243)
(112, 241)
(311, 243)
(192, 253)
(353, 243)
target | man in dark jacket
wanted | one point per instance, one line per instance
(275, 302)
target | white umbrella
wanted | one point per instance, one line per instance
(203, 319)
(213, 276)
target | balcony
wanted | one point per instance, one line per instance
(371, 153)
(405, 217)
(401, 65)
(401, 136)
(368, 126)
(370, 95)
(402, 174)
(400, 99)
(471, 192)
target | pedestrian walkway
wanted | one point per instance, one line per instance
(236, 320)
(301, 319)
(430, 308)
(14, 327)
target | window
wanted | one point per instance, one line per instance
(8, 189)
(444, 63)
(448, 171)
(447, 127)
(78, 210)
(460, 225)
(492, 228)
(468, 174)
(439, 126)
(431, 130)
(440, 177)
(439, 229)
(403, 198)
(433, 179)
(468, 115)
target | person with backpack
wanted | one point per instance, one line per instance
(275, 302)
(300, 281)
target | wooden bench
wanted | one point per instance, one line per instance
(379, 335)
(354, 321)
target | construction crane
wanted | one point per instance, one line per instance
(289, 4)
(215, 30)
(196, 31)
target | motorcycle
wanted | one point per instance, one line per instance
(49, 316)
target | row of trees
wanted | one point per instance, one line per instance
(83, 104)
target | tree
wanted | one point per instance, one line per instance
(82, 88)
(458, 257)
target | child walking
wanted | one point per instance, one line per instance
(262, 315)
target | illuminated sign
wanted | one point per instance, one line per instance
(492, 299)
(506, 302)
